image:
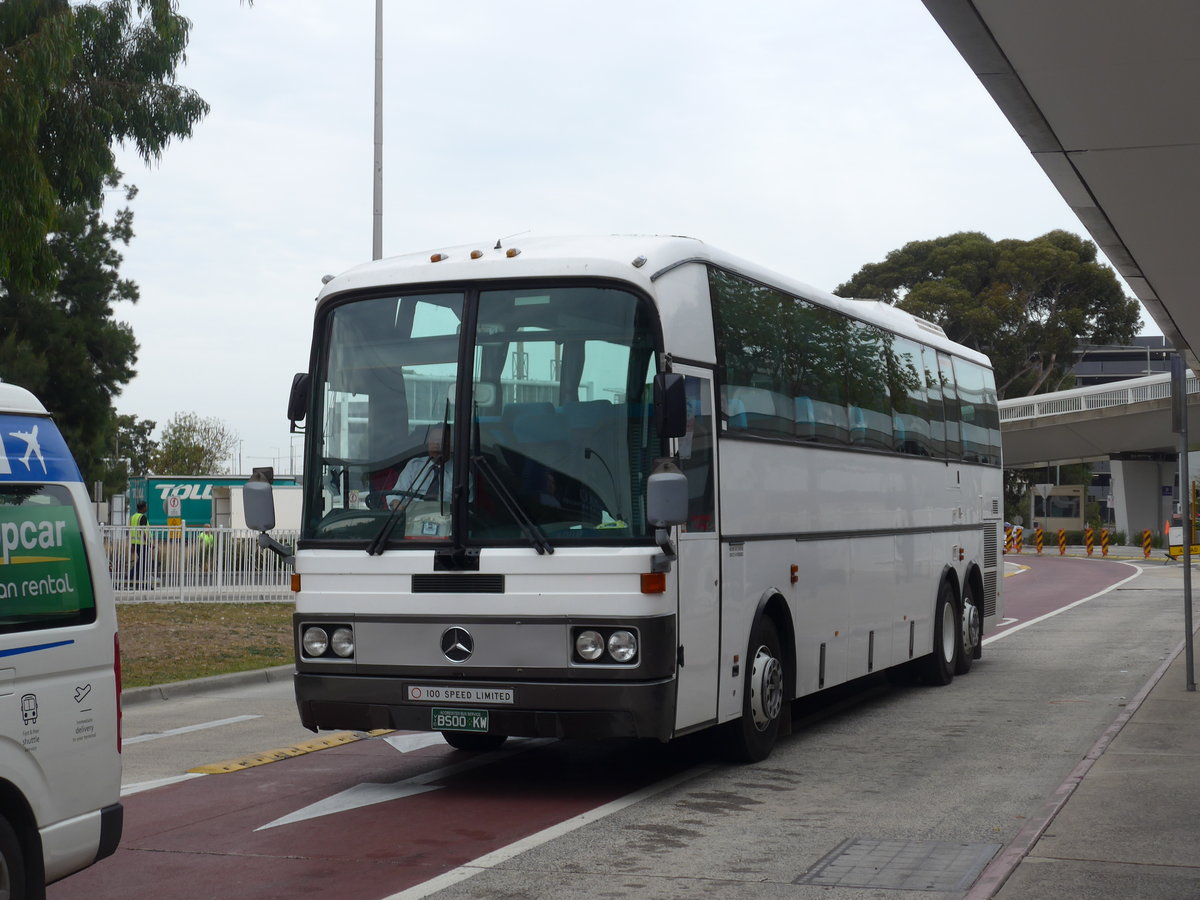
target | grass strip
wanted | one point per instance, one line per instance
(166, 642)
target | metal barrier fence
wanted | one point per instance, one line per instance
(195, 564)
(1101, 396)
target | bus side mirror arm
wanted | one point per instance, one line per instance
(269, 543)
(661, 562)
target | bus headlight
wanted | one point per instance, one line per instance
(315, 641)
(622, 646)
(342, 642)
(589, 645)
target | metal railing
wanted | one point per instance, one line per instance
(195, 564)
(1138, 390)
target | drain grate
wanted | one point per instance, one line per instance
(901, 865)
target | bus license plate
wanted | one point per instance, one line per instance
(458, 719)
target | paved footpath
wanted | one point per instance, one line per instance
(1126, 823)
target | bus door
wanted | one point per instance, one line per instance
(698, 568)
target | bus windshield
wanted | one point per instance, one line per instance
(553, 425)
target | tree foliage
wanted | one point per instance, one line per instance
(74, 80)
(65, 345)
(1026, 304)
(194, 445)
(135, 444)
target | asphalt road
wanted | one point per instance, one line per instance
(948, 774)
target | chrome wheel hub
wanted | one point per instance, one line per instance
(766, 688)
(970, 626)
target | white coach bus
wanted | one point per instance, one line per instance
(60, 738)
(694, 490)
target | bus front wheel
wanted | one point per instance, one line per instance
(12, 863)
(474, 741)
(751, 737)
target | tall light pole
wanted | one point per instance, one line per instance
(377, 229)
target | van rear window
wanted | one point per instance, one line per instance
(44, 577)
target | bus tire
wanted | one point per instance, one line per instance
(12, 862)
(474, 741)
(750, 737)
(970, 632)
(939, 666)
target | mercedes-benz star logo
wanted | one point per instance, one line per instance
(457, 644)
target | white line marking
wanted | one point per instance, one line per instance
(140, 786)
(496, 857)
(1112, 587)
(185, 729)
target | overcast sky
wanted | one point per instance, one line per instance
(812, 136)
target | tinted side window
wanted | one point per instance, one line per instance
(44, 577)
(979, 413)
(949, 392)
(869, 406)
(910, 398)
(756, 333)
(783, 370)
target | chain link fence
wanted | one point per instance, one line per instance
(159, 564)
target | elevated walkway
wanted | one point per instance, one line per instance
(1128, 420)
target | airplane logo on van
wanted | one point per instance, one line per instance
(32, 447)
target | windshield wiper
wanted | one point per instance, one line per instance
(379, 542)
(528, 527)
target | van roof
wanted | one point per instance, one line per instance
(16, 399)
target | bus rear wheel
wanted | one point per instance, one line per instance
(12, 862)
(474, 741)
(939, 666)
(970, 632)
(751, 737)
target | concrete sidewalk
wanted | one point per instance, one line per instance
(1126, 823)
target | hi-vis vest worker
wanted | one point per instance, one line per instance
(137, 523)
(60, 737)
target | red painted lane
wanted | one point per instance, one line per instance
(197, 838)
(1052, 582)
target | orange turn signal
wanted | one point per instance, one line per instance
(438, 257)
(295, 583)
(654, 582)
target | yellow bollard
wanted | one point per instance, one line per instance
(1018, 539)
(1008, 539)
(1088, 536)
(1104, 542)
(1146, 541)
(1040, 537)
(1062, 542)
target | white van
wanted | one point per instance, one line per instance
(60, 678)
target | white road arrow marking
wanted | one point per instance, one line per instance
(406, 743)
(370, 793)
(366, 794)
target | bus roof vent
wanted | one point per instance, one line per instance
(931, 327)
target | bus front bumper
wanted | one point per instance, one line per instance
(540, 709)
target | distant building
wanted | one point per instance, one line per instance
(1104, 363)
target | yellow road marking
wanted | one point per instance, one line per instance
(269, 756)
